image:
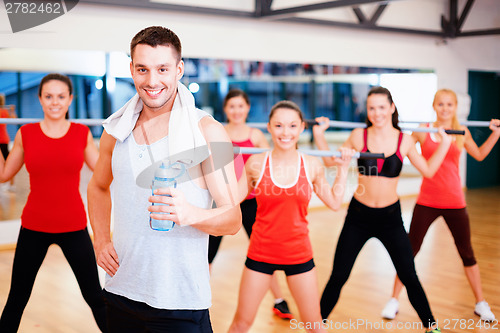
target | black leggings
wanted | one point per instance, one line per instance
(457, 221)
(362, 223)
(30, 252)
(248, 213)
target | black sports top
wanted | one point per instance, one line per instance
(387, 167)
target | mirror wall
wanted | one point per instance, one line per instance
(102, 84)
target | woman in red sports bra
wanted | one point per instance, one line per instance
(284, 180)
(236, 106)
(374, 210)
(442, 195)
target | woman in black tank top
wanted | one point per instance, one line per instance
(375, 210)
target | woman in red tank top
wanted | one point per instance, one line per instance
(442, 195)
(236, 107)
(283, 180)
(53, 151)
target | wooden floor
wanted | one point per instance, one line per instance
(57, 306)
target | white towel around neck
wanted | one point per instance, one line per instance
(186, 142)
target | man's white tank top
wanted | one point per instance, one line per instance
(164, 269)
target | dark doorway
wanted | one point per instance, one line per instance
(484, 89)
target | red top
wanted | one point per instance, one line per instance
(444, 190)
(280, 234)
(54, 202)
(4, 136)
(241, 159)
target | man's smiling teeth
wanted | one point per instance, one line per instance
(153, 92)
(286, 140)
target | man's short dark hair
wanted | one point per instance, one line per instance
(154, 36)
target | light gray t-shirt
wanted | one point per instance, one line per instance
(164, 269)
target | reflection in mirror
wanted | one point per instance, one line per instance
(102, 84)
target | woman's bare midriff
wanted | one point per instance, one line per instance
(376, 192)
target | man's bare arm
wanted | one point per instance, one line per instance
(99, 202)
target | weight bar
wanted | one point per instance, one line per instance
(350, 124)
(22, 121)
(468, 123)
(333, 123)
(320, 153)
(432, 130)
(310, 122)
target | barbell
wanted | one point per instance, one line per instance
(320, 153)
(310, 122)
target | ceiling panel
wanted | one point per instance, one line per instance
(402, 16)
(243, 5)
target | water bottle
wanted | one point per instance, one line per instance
(165, 176)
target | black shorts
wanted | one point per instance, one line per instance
(4, 147)
(127, 316)
(266, 268)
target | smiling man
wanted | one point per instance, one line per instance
(158, 281)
